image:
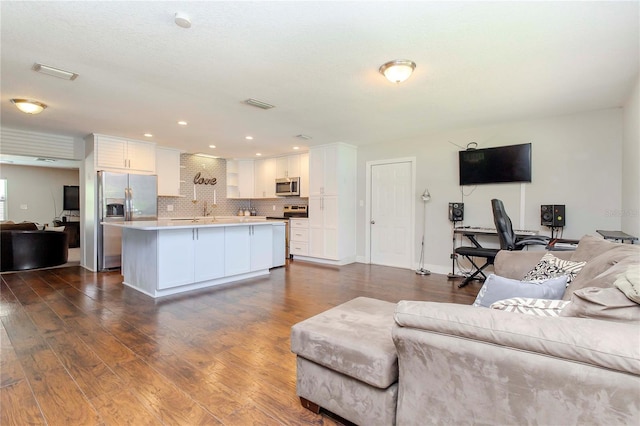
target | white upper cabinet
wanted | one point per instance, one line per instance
(240, 179)
(324, 167)
(265, 178)
(168, 166)
(332, 201)
(288, 166)
(124, 154)
(304, 175)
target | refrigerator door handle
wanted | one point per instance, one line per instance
(127, 204)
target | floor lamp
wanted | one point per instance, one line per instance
(425, 198)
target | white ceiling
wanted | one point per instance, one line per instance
(477, 63)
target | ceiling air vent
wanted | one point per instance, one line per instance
(46, 160)
(54, 72)
(259, 104)
(303, 136)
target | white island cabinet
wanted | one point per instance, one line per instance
(165, 257)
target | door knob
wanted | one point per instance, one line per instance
(373, 222)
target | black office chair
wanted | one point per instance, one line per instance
(504, 228)
(508, 241)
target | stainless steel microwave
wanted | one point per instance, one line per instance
(288, 186)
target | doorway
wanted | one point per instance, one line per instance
(391, 212)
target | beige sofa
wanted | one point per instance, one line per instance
(469, 365)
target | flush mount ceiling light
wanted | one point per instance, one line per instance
(54, 72)
(259, 104)
(29, 106)
(182, 20)
(397, 71)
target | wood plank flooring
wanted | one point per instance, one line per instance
(79, 348)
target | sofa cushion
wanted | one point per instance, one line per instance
(602, 271)
(498, 288)
(530, 306)
(24, 226)
(590, 247)
(550, 266)
(600, 343)
(602, 303)
(353, 339)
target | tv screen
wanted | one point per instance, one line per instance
(495, 165)
(71, 197)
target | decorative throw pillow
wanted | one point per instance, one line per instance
(55, 228)
(629, 283)
(498, 288)
(550, 266)
(529, 306)
(602, 303)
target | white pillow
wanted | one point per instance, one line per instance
(498, 288)
(55, 228)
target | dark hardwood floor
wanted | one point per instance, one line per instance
(79, 348)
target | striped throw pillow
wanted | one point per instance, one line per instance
(538, 307)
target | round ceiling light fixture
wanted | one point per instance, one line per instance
(182, 20)
(398, 70)
(29, 106)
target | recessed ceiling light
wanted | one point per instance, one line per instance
(182, 123)
(296, 147)
(182, 20)
(212, 146)
(258, 154)
(249, 138)
(55, 72)
(148, 135)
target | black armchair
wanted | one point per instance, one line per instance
(504, 228)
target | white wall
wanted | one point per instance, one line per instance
(576, 162)
(37, 188)
(630, 210)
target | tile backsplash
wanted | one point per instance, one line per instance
(214, 168)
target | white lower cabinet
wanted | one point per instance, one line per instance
(190, 255)
(175, 257)
(299, 237)
(257, 241)
(323, 227)
(209, 256)
(261, 247)
(237, 244)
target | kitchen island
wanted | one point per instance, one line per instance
(166, 257)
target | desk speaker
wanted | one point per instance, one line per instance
(456, 212)
(552, 215)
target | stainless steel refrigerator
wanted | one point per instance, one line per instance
(122, 197)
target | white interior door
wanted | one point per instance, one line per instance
(391, 215)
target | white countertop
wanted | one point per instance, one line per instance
(200, 222)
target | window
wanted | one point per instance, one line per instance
(3, 199)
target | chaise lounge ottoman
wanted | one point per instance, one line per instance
(347, 362)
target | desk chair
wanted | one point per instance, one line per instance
(508, 241)
(508, 238)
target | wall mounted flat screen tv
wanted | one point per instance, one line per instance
(71, 197)
(502, 164)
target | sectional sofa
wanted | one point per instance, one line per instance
(575, 360)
